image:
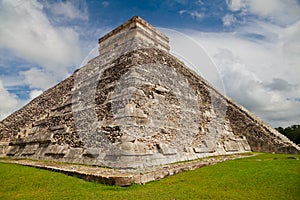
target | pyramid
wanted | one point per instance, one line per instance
(133, 106)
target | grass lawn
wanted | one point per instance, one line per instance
(265, 176)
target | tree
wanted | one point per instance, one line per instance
(291, 132)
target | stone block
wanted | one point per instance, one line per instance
(92, 152)
(142, 121)
(246, 145)
(74, 153)
(13, 150)
(54, 128)
(203, 150)
(166, 150)
(134, 148)
(123, 181)
(140, 93)
(127, 138)
(3, 148)
(159, 97)
(30, 149)
(231, 146)
(161, 89)
(56, 149)
(189, 149)
(157, 123)
(145, 178)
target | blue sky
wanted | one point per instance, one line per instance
(253, 43)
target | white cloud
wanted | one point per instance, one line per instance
(258, 64)
(197, 15)
(105, 4)
(228, 20)
(35, 93)
(194, 14)
(266, 99)
(28, 38)
(291, 43)
(249, 77)
(181, 12)
(200, 2)
(9, 102)
(278, 84)
(26, 31)
(280, 12)
(234, 5)
(72, 10)
(38, 79)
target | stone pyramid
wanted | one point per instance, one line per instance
(133, 106)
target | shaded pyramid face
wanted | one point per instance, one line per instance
(133, 106)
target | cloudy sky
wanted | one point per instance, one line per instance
(254, 44)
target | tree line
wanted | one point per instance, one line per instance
(291, 132)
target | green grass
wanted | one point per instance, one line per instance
(265, 176)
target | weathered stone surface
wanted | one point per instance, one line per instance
(231, 146)
(3, 148)
(166, 150)
(30, 150)
(135, 106)
(135, 28)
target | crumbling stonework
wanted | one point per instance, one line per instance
(135, 106)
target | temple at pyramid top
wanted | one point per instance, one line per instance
(132, 34)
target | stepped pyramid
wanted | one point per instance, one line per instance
(133, 106)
